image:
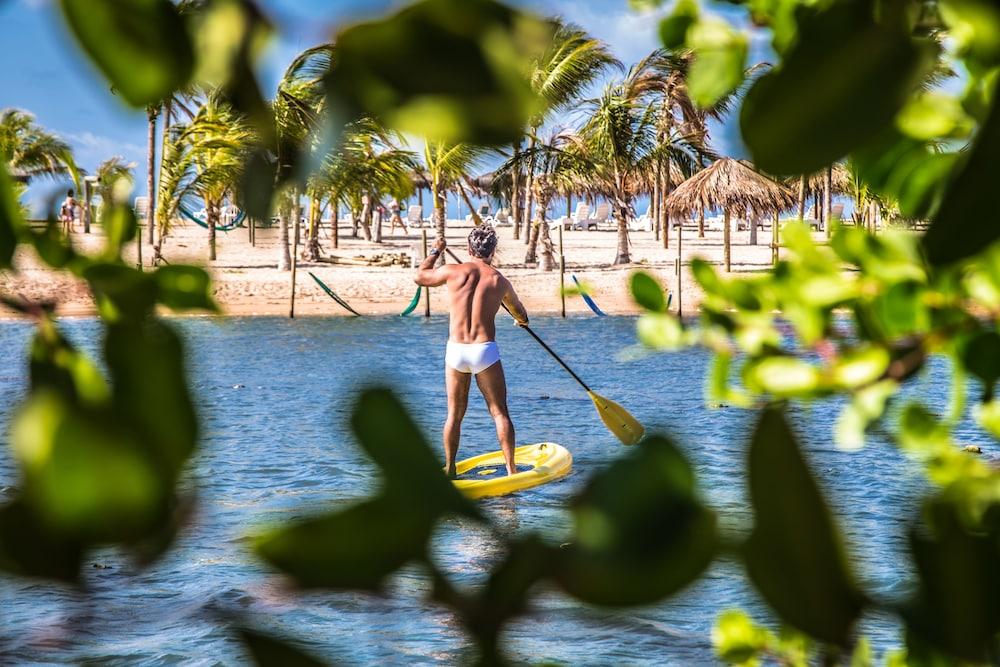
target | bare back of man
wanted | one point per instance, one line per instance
(475, 291)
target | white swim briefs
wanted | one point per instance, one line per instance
(472, 357)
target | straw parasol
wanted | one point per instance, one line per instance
(734, 187)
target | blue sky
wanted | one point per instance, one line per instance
(46, 74)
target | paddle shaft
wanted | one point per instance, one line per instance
(535, 336)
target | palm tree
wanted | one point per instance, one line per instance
(29, 150)
(368, 164)
(447, 164)
(109, 173)
(297, 107)
(205, 158)
(620, 139)
(572, 61)
(561, 165)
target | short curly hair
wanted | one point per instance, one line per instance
(483, 241)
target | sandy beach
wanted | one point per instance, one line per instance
(247, 281)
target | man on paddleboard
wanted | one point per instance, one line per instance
(475, 290)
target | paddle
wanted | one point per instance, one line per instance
(618, 420)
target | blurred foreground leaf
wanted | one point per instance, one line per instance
(737, 639)
(720, 58)
(141, 46)
(966, 222)
(647, 292)
(957, 608)
(794, 555)
(268, 651)
(641, 533)
(29, 548)
(10, 219)
(183, 288)
(805, 113)
(447, 70)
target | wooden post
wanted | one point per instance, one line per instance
(562, 271)
(427, 290)
(828, 201)
(680, 270)
(250, 230)
(775, 240)
(727, 245)
(296, 211)
(802, 198)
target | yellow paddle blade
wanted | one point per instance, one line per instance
(618, 420)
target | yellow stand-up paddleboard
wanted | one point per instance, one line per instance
(486, 475)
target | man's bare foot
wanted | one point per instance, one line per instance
(511, 470)
(450, 472)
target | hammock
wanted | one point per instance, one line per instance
(333, 295)
(413, 304)
(240, 217)
(588, 300)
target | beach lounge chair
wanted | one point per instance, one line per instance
(415, 216)
(644, 223)
(581, 213)
(484, 214)
(502, 219)
(600, 217)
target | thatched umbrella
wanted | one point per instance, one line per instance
(732, 186)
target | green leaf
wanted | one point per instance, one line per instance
(184, 288)
(860, 366)
(660, 331)
(641, 531)
(57, 366)
(356, 548)
(781, 376)
(388, 435)
(934, 115)
(120, 227)
(647, 292)
(957, 608)
(10, 219)
(141, 46)
(737, 639)
(794, 556)
(86, 476)
(866, 406)
(29, 548)
(988, 416)
(720, 58)
(447, 70)
(807, 113)
(965, 225)
(674, 28)
(268, 651)
(981, 357)
(122, 293)
(150, 391)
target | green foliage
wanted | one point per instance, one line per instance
(449, 70)
(794, 555)
(142, 46)
(268, 651)
(641, 531)
(794, 119)
(10, 219)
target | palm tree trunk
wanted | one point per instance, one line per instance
(548, 262)
(623, 254)
(284, 256)
(654, 204)
(335, 213)
(802, 198)
(529, 190)
(531, 236)
(664, 220)
(726, 246)
(515, 192)
(366, 218)
(828, 200)
(753, 231)
(440, 213)
(775, 239)
(377, 214)
(212, 219)
(312, 241)
(151, 114)
(701, 223)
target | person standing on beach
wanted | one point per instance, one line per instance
(67, 212)
(476, 291)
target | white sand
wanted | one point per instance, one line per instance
(247, 281)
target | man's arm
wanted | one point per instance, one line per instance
(427, 275)
(514, 305)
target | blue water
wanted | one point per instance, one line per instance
(275, 395)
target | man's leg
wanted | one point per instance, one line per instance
(493, 386)
(458, 400)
